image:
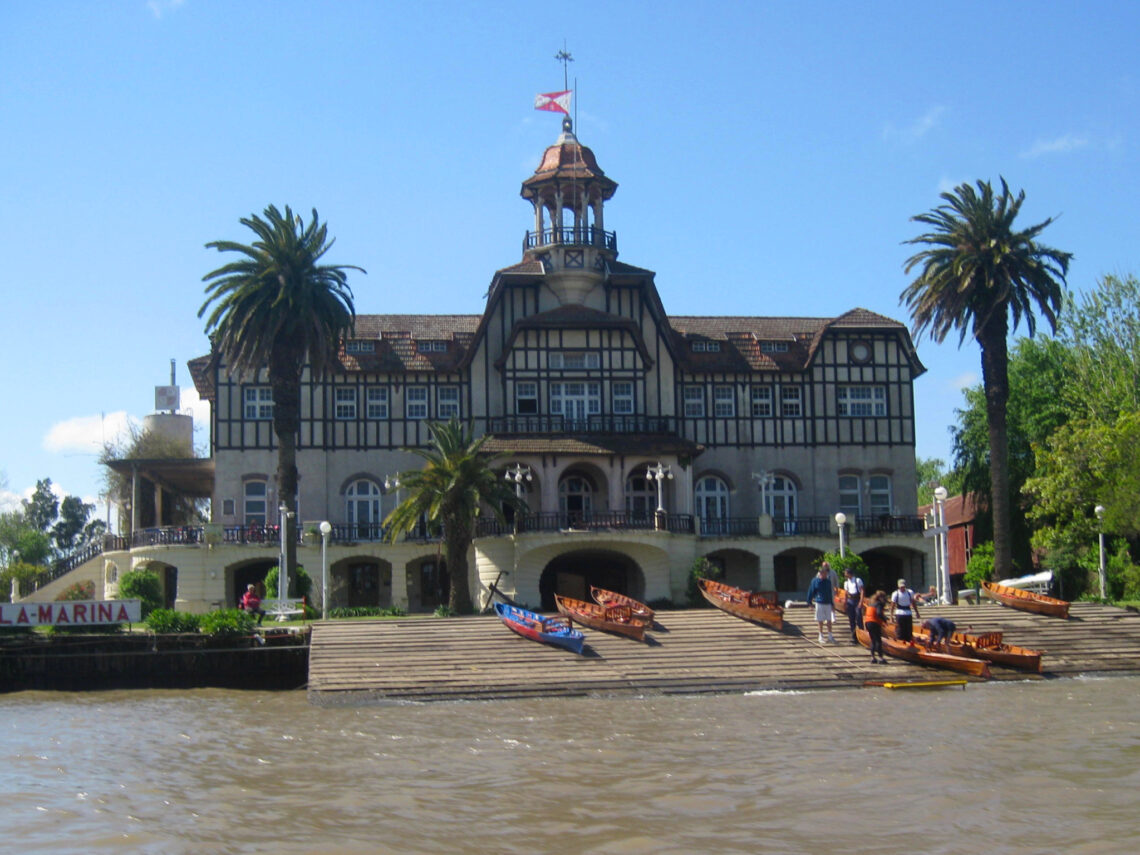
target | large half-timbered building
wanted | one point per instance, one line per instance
(640, 441)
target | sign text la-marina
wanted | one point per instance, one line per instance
(71, 613)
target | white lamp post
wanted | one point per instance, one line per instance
(659, 473)
(765, 481)
(326, 530)
(941, 559)
(840, 523)
(392, 482)
(1099, 511)
(15, 582)
(519, 473)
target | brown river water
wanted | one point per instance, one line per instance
(994, 768)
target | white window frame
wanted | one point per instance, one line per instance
(879, 498)
(780, 498)
(376, 402)
(773, 347)
(712, 501)
(257, 403)
(621, 397)
(344, 403)
(447, 402)
(791, 402)
(563, 392)
(358, 346)
(574, 360)
(693, 397)
(861, 401)
(850, 495)
(416, 402)
(255, 505)
(724, 402)
(431, 346)
(526, 390)
(761, 402)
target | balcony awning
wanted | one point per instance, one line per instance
(193, 476)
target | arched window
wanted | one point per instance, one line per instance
(255, 495)
(712, 504)
(640, 497)
(849, 498)
(362, 508)
(575, 499)
(780, 499)
(879, 493)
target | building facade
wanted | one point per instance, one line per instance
(640, 441)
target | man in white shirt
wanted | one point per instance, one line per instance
(904, 609)
(853, 601)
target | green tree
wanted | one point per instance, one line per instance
(74, 514)
(1038, 388)
(143, 585)
(43, 507)
(929, 473)
(274, 310)
(455, 482)
(17, 535)
(976, 272)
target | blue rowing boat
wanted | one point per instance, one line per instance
(549, 630)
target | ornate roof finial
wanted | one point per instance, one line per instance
(563, 56)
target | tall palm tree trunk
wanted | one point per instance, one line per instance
(286, 420)
(457, 542)
(995, 381)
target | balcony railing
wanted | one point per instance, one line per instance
(634, 424)
(583, 522)
(888, 524)
(572, 236)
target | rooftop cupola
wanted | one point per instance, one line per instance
(568, 191)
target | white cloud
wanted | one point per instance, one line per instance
(965, 380)
(917, 129)
(86, 434)
(1060, 145)
(160, 7)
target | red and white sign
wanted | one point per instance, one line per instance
(555, 102)
(71, 613)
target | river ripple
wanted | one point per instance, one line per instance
(998, 768)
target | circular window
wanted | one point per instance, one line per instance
(860, 352)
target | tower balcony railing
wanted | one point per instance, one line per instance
(583, 521)
(571, 236)
(601, 424)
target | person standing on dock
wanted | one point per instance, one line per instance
(873, 620)
(821, 595)
(853, 601)
(904, 609)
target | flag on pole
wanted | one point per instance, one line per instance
(555, 102)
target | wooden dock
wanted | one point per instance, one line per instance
(689, 651)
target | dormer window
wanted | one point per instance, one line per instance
(357, 346)
(773, 347)
(703, 345)
(431, 346)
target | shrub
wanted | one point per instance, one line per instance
(849, 561)
(444, 610)
(78, 591)
(168, 621)
(225, 622)
(702, 569)
(300, 584)
(141, 585)
(366, 611)
(980, 567)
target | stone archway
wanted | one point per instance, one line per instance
(572, 573)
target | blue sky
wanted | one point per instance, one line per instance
(769, 156)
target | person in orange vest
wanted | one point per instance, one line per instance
(873, 619)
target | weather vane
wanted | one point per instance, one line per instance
(563, 56)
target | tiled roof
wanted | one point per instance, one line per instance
(396, 340)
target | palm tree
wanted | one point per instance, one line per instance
(456, 481)
(976, 272)
(273, 310)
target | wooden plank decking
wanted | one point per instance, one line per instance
(690, 651)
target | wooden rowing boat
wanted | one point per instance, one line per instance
(619, 619)
(980, 645)
(612, 598)
(1027, 601)
(554, 630)
(757, 606)
(916, 653)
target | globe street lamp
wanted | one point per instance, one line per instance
(326, 530)
(659, 473)
(840, 523)
(392, 482)
(1099, 511)
(941, 559)
(519, 473)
